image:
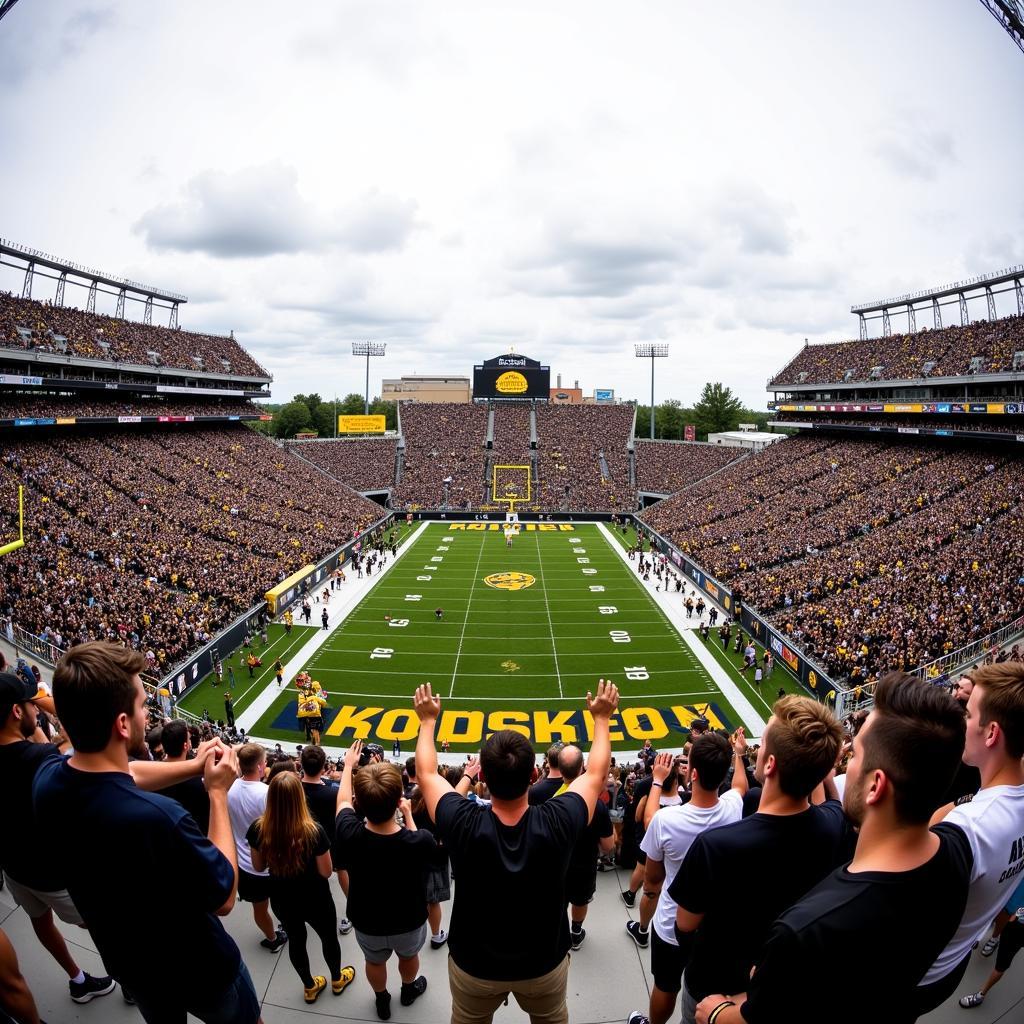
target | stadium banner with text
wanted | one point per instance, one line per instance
(9, 378)
(805, 671)
(511, 376)
(361, 425)
(287, 590)
(525, 517)
(604, 395)
(975, 408)
(541, 727)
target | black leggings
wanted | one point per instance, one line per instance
(321, 916)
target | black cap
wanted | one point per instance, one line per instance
(15, 690)
(700, 724)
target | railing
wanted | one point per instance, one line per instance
(940, 669)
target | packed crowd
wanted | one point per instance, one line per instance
(364, 464)
(571, 440)
(27, 324)
(160, 539)
(442, 440)
(668, 466)
(865, 553)
(988, 424)
(511, 433)
(853, 830)
(15, 405)
(903, 356)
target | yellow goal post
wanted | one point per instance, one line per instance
(511, 486)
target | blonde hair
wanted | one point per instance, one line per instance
(804, 736)
(287, 830)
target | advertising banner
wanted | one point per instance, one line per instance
(361, 424)
(604, 395)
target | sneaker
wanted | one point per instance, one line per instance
(991, 944)
(383, 1000)
(437, 941)
(344, 926)
(628, 897)
(637, 934)
(311, 995)
(275, 944)
(971, 1001)
(636, 1017)
(343, 980)
(127, 996)
(411, 992)
(90, 988)
(576, 938)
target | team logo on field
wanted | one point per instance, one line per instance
(510, 580)
(510, 666)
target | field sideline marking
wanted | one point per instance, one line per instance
(741, 705)
(547, 608)
(346, 603)
(465, 621)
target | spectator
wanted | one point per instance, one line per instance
(903, 759)
(794, 842)
(992, 821)
(386, 862)
(506, 857)
(1011, 944)
(190, 793)
(668, 839)
(596, 838)
(15, 995)
(247, 802)
(295, 851)
(101, 703)
(544, 789)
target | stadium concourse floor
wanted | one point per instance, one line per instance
(608, 977)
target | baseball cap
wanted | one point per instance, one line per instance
(699, 724)
(15, 690)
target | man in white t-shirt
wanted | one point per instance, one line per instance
(666, 842)
(247, 800)
(993, 821)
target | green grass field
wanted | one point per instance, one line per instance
(510, 651)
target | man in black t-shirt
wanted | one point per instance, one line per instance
(902, 874)
(321, 794)
(726, 909)
(509, 857)
(597, 838)
(190, 793)
(125, 837)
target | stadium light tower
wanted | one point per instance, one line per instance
(651, 350)
(368, 348)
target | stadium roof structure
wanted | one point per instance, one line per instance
(988, 284)
(31, 260)
(1009, 14)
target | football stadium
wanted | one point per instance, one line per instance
(526, 670)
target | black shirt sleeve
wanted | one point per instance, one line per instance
(692, 887)
(780, 977)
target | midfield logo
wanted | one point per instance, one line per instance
(510, 580)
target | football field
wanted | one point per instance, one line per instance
(510, 637)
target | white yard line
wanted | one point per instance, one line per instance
(345, 597)
(676, 614)
(547, 608)
(469, 604)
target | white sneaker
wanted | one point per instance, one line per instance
(344, 926)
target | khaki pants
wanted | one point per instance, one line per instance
(474, 1000)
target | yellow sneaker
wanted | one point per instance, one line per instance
(311, 995)
(343, 980)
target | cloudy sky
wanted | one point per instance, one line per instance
(462, 177)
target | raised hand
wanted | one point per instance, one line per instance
(663, 765)
(606, 701)
(352, 755)
(427, 706)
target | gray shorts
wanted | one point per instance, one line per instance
(36, 903)
(377, 949)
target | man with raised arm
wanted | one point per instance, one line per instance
(507, 857)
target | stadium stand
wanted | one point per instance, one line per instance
(160, 539)
(987, 346)
(442, 439)
(665, 467)
(364, 464)
(511, 433)
(61, 330)
(866, 554)
(572, 439)
(16, 405)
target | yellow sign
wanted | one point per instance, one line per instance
(511, 383)
(510, 580)
(280, 594)
(361, 425)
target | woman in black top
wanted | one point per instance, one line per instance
(297, 852)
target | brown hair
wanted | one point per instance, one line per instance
(93, 684)
(507, 762)
(1002, 701)
(250, 756)
(917, 738)
(378, 788)
(804, 736)
(287, 830)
